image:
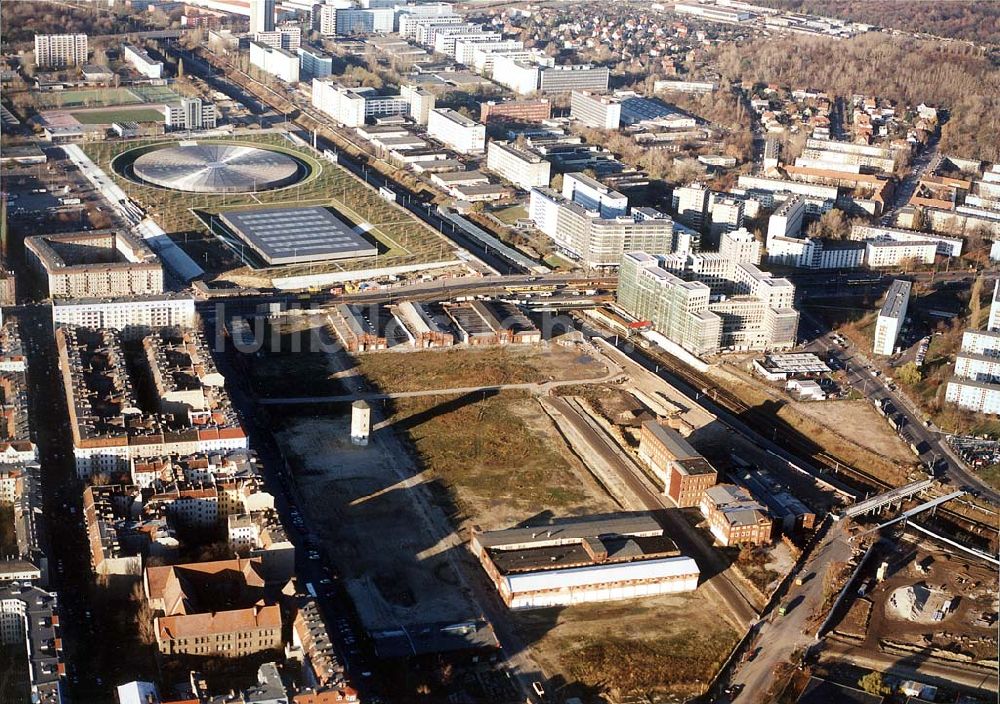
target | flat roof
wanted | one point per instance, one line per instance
(576, 554)
(795, 363)
(671, 439)
(572, 529)
(896, 299)
(294, 235)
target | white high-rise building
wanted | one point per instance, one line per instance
(601, 111)
(277, 62)
(261, 16)
(726, 215)
(352, 107)
(59, 50)
(691, 204)
(891, 317)
(456, 131)
(142, 62)
(594, 195)
(522, 168)
(287, 38)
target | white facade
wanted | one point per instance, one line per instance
(125, 314)
(421, 102)
(601, 111)
(886, 253)
(691, 204)
(445, 40)
(361, 423)
(465, 49)
(948, 246)
(277, 62)
(725, 214)
(520, 76)
(484, 58)
(594, 195)
(287, 38)
(353, 106)
(891, 317)
(578, 585)
(786, 221)
(59, 50)
(314, 63)
(142, 62)
(456, 131)
(190, 114)
(524, 169)
(261, 15)
(354, 21)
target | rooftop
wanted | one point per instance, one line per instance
(896, 299)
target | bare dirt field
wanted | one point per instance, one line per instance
(849, 430)
(500, 457)
(663, 644)
(441, 369)
(357, 505)
(294, 360)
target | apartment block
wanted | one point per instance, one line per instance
(946, 246)
(595, 241)
(456, 131)
(142, 62)
(466, 47)
(880, 254)
(691, 204)
(725, 215)
(359, 21)
(446, 38)
(280, 63)
(523, 168)
(314, 63)
(600, 111)
(101, 263)
(594, 195)
(261, 15)
(735, 517)
(515, 111)
(786, 221)
(192, 620)
(975, 385)
(891, 317)
(190, 114)
(421, 102)
(60, 50)
(567, 78)
(515, 72)
(685, 473)
(288, 38)
(352, 107)
(132, 317)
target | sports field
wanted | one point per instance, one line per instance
(103, 97)
(106, 117)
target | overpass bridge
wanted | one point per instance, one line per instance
(906, 515)
(888, 498)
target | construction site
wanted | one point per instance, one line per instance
(921, 610)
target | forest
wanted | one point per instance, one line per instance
(972, 20)
(958, 78)
(22, 20)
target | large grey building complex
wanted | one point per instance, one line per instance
(600, 111)
(596, 241)
(891, 317)
(59, 50)
(563, 79)
(95, 263)
(711, 302)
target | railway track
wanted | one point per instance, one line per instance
(765, 423)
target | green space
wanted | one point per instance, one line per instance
(511, 215)
(93, 97)
(991, 475)
(404, 239)
(155, 94)
(106, 117)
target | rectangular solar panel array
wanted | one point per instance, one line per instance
(286, 235)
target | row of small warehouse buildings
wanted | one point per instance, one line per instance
(368, 328)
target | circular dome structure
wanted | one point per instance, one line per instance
(217, 168)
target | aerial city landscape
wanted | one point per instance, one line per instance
(501, 351)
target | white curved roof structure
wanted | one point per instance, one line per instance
(217, 168)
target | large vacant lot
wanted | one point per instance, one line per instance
(419, 371)
(661, 645)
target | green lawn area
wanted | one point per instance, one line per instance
(106, 117)
(94, 97)
(511, 215)
(991, 475)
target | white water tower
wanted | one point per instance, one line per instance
(361, 422)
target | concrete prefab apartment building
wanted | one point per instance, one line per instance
(456, 131)
(595, 241)
(601, 111)
(563, 79)
(352, 107)
(891, 317)
(60, 50)
(685, 473)
(574, 561)
(95, 263)
(522, 168)
(516, 111)
(976, 383)
(278, 62)
(132, 317)
(142, 62)
(594, 195)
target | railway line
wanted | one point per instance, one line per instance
(791, 440)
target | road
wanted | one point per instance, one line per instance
(781, 636)
(874, 388)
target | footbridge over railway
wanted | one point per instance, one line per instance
(887, 498)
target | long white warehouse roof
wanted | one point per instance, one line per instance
(602, 574)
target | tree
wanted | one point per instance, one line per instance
(975, 302)
(557, 182)
(909, 374)
(873, 684)
(831, 225)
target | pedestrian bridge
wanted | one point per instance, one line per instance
(893, 496)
